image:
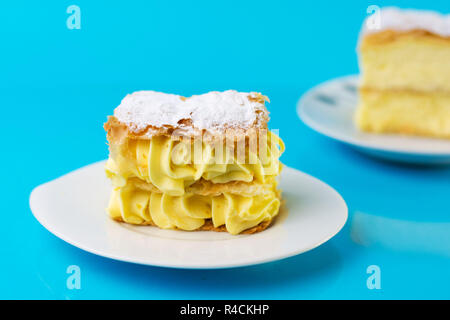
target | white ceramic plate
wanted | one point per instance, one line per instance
(72, 207)
(329, 109)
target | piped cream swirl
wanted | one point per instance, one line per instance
(172, 165)
(189, 212)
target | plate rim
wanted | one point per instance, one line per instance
(251, 262)
(354, 141)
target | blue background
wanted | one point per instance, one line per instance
(58, 85)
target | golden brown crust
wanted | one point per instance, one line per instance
(117, 130)
(207, 188)
(386, 36)
(209, 226)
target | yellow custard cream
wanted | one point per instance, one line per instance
(171, 165)
(189, 212)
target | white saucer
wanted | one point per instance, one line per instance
(329, 109)
(72, 207)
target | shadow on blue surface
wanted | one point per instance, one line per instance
(320, 263)
(401, 235)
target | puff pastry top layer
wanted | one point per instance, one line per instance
(144, 114)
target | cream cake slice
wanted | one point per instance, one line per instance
(206, 162)
(405, 74)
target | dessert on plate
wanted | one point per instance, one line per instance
(207, 162)
(405, 66)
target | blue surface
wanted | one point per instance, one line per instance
(58, 85)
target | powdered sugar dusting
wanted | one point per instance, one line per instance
(408, 20)
(143, 108)
(213, 111)
(221, 109)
